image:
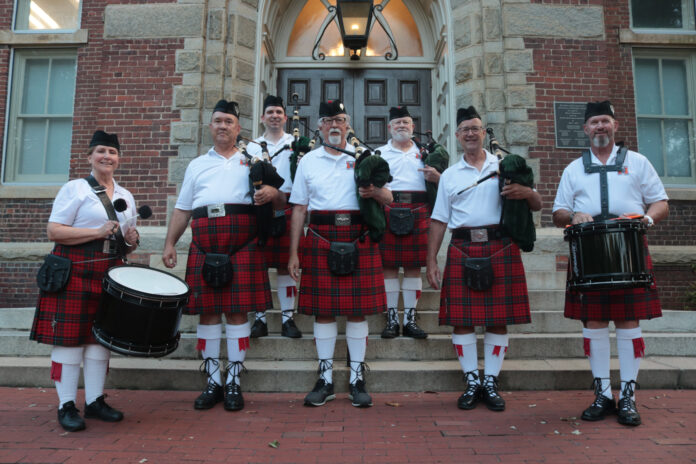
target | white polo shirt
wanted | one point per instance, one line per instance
(325, 182)
(478, 206)
(77, 205)
(281, 161)
(211, 178)
(630, 191)
(404, 167)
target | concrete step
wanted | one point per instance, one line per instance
(436, 347)
(543, 321)
(384, 376)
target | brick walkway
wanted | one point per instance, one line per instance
(162, 427)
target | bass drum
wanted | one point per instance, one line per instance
(140, 311)
(607, 255)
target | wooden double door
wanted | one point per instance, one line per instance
(367, 93)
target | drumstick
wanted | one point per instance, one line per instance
(144, 212)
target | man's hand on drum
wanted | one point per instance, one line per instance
(169, 256)
(579, 218)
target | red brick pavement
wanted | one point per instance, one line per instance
(162, 427)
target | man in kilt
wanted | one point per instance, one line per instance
(80, 227)
(275, 250)
(325, 187)
(628, 188)
(401, 247)
(468, 298)
(216, 195)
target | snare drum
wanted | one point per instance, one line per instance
(140, 310)
(607, 255)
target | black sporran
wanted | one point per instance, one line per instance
(217, 269)
(342, 258)
(478, 273)
(54, 273)
(401, 221)
(278, 226)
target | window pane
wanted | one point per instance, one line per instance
(62, 87)
(650, 143)
(676, 94)
(647, 86)
(35, 78)
(677, 146)
(32, 142)
(657, 13)
(47, 14)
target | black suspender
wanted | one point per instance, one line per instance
(100, 190)
(602, 170)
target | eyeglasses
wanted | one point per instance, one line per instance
(329, 121)
(469, 130)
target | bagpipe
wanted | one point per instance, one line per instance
(516, 217)
(434, 155)
(301, 145)
(261, 172)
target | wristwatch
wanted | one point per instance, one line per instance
(651, 222)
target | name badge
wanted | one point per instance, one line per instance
(244, 162)
(350, 164)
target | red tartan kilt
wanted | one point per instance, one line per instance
(629, 304)
(65, 318)
(249, 289)
(505, 303)
(410, 250)
(325, 294)
(276, 251)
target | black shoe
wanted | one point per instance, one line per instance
(391, 330)
(411, 329)
(234, 401)
(489, 393)
(320, 394)
(358, 395)
(211, 396)
(601, 405)
(472, 394)
(259, 329)
(69, 417)
(289, 329)
(627, 412)
(100, 410)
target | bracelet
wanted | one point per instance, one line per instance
(651, 222)
(572, 215)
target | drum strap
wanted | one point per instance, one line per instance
(602, 170)
(100, 191)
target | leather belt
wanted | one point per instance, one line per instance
(103, 246)
(410, 197)
(483, 234)
(221, 210)
(338, 219)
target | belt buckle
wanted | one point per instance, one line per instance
(405, 197)
(479, 235)
(216, 210)
(109, 247)
(342, 219)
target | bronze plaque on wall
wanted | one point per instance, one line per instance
(569, 118)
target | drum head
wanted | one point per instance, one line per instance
(148, 281)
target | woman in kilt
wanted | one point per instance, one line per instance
(325, 187)
(82, 232)
(483, 300)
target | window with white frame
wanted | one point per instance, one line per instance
(39, 126)
(664, 88)
(663, 14)
(47, 15)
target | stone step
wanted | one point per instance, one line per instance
(435, 348)
(542, 322)
(656, 372)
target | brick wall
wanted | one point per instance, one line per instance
(18, 288)
(672, 283)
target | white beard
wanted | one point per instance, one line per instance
(335, 139)
(600, 140)
(400, 136)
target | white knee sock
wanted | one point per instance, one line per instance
(96, 366)
(286, 296)
(630, 347)
(237, 346)
(356, 338)
(391, 288)
(65, 371)
(597, 348)
(209, 345)
(494, 349)
(411, 289)
(465, 348)
(325, 340)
